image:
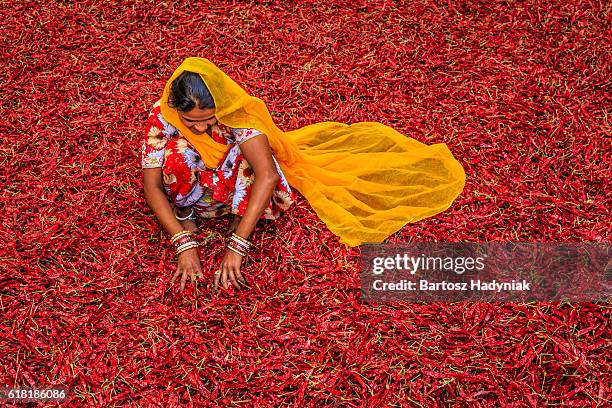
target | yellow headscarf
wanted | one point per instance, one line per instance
(365, 181)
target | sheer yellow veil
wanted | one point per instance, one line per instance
(365, 181)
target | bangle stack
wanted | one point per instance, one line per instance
(183, 240)
(239, 245)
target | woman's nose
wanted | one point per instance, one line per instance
(200, 127)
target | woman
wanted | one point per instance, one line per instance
(248, 182)
(212, 149)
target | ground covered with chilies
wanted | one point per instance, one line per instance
(520, 92)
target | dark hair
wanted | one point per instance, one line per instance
(187, 91)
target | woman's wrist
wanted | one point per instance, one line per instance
(188, 252)
(233, 253)
(239, 245)
(184, 241)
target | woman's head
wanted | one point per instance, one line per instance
(193, 102)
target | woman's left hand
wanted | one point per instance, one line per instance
(230, 269)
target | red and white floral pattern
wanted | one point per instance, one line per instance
(213, 192)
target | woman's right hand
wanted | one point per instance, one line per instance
(188, 265)
(189, 260)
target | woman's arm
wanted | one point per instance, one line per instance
(158, 202)
(189, 260)
(258, 154)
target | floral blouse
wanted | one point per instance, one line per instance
(212, 192)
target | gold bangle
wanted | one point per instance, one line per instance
(243, 254)
(186, 246)
(244, 240)
(183, 240)
(239, 243)
(178, 235)
(185, 249)
(193, 241)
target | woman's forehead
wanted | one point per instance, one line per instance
(198, 114)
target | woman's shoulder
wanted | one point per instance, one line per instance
(241, 135)
(157, 119)
(225, 134)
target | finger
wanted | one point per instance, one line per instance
(240, 277)
(233, 279)
(197, 270)
(217, 277)
(183, 279)
(176, 274)
(224, 279)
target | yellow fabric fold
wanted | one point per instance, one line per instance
(365, 181)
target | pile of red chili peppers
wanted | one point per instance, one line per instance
(519, 90)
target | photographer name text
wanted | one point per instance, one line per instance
(472, 285)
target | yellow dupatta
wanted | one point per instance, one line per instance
(365, 181)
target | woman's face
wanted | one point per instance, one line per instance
(198, 120)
